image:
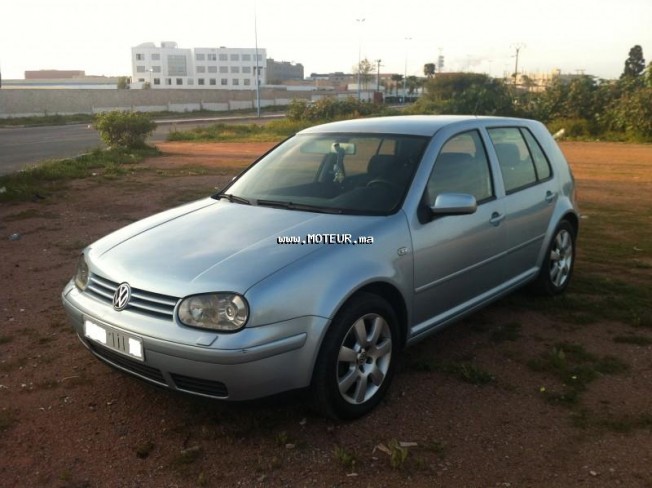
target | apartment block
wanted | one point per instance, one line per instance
(168, 66)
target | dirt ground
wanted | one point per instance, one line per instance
(68, 420)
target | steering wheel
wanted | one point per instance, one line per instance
(379, 182)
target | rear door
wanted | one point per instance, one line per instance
(530, 195)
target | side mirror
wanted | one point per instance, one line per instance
(453, 204)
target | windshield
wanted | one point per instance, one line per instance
(334, 173)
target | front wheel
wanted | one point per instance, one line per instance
(557, 267)
(357, 360)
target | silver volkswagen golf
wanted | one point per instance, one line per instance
(329, 255)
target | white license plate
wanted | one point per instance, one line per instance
(115, 340)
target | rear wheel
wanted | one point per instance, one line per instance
(356, 363)
(557, 267)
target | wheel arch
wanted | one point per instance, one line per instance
(394, 298)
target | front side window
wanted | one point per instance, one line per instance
(334, 173)
(461, 167)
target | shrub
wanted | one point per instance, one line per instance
(127, 130)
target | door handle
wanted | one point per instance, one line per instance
(496, 219)
(550, 196)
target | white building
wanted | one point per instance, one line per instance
(169, 66)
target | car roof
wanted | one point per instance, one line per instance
(421, 125)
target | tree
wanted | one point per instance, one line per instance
(465, 93)
(123, 83)
(397, 79)
(364, 69)
(634, 64)
(429, 70)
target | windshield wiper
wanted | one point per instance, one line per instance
(298, 206)
(232, 198)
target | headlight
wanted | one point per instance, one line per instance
(81, 275)
(226, 312)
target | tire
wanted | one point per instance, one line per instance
(557, 268)
(357, 359)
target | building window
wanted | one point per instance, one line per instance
(247, 82)
(141, 80)
(168, 81)
(235, 57)
(213, 81)
(235, 82)
(235, 69)
(212, 69)
(179, 81)
(224, 82)
(200, 57)
(212, 57)
(156, 69)
(177, 65)
(156, 57)
(201, 69)
(246, 69)
(157, 81)
(200, 81)
(140, 69)
(260, 57)
(140, 57)
(246, 57)
(223, 57)
(224, 69)
(191, 81)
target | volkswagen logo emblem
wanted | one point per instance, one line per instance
(121, 297)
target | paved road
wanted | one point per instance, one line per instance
(24, 146)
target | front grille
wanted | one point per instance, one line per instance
(199, 386)
(141, 301)
(129, 365)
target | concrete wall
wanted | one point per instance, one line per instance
(23, 103)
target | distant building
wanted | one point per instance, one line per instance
(281, 71)
(168, 66)
(539, 82)
(53, 74)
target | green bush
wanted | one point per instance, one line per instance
(327, 109)
(573, 128)
(126, 130)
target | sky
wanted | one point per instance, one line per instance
(590, 36)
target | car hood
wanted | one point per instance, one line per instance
(212, 246)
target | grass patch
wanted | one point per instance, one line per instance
(43, 120)
(637, 340)
(575, 368)
(592, 298)
(8, 419)
(584, 419)
(37, 180)
(508, 332)
(465, 371)
(144, 450)
(274, 131)
(348, 459)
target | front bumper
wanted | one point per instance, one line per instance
(252, 363)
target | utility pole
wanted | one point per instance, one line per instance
(378, 75)
(518, 48)
(359, 21)
(405, 69)
(257, 66)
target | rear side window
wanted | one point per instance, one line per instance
(541, 163)
(522, 161)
